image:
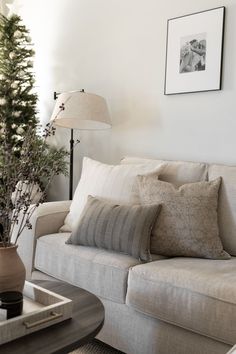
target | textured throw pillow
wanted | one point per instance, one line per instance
(121, 228)
(187, 224)
(113, 183)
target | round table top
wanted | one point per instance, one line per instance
(87, 320)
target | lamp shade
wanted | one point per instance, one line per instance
(81, 110)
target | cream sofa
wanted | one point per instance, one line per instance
(177, 305)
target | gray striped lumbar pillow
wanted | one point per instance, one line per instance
(121, 228)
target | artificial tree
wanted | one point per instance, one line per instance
(26, 158)
(17, 97)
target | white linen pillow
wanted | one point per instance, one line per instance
(115, 183)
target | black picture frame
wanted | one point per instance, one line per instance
(182, 75)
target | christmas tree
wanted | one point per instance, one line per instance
(17, 99)
(28, 163)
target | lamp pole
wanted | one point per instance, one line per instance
(55, 95)
(71, 164)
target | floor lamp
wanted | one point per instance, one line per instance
(79, 110)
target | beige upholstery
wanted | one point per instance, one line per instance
(133, 332)
(176, 172)
(196, 294)
(227, 205)
(102, 272)
(47, 218)
(177, 306)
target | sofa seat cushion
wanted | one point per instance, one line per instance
(101, 272)
(196, 294)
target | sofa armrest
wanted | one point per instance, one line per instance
(46, 219)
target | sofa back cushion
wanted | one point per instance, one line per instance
(181, 172)
(227, 205)
(175, 172)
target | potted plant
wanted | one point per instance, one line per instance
(37, 159)
(27, 162)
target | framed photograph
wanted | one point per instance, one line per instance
(194, 51)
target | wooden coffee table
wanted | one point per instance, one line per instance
(87, 320)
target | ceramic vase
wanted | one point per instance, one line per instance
(12, 269)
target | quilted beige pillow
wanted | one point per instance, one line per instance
(187, 224)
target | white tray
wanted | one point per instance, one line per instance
(41, 308)
(232, 351)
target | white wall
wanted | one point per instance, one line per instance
(116, 48)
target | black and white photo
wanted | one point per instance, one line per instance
(194, 52)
